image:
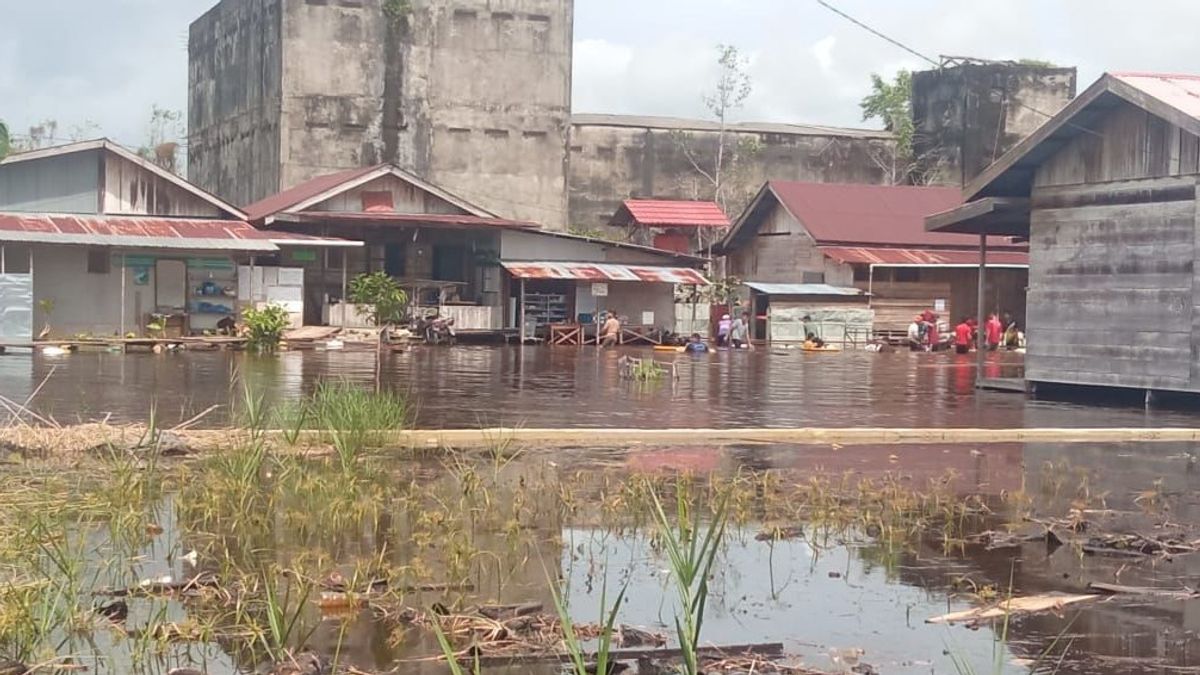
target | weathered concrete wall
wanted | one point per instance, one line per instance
(967, 116)
(234, 84)
(472, 95)
(615, 157)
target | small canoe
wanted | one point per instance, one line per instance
(668, 348)
(826, 348)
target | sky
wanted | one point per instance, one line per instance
(99, 66)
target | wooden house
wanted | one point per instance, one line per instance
(1105, 191)
(873, 238)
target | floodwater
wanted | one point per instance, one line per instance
(473, 386)
(832, 596)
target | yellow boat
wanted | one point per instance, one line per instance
(826, 348)
(668, 348)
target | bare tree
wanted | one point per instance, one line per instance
(162, 138)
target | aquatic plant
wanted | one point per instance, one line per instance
(604, 641)
(354, 418)
(691, 553)
(265, 326)
(646, 370)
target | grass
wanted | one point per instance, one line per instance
(356, 419)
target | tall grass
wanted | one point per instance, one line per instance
(691, 553)
(356, 419)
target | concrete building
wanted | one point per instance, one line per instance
(473, 95)
(873, 238)
(1106, 193)
(970, 111)
(96, 240)
(619, 157)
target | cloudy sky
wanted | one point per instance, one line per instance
(98, 66)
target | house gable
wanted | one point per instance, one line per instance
(388, 193)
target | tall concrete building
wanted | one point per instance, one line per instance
(970, 111)
(473, 95)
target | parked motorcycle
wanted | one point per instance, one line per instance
(435, 330)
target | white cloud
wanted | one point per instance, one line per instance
(822, 51)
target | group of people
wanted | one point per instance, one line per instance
(731, 333)
(923, 333)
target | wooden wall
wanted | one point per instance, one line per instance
(782, 252)
(406, 198)
(1128, 143)
(130, 189)
(1112, 279)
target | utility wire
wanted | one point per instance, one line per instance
(876, 33)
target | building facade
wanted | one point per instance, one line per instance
(1106, 193)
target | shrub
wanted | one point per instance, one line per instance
(381, 292)
(265, 326)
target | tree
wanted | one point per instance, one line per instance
(732, 88)
(5, 141)
(891, 104)
(162, 138)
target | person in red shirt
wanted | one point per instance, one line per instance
(962, 337)
(993, 329)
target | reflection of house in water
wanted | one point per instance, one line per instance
(465, 262)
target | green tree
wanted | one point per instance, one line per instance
(891, 104)
(5, 141)
(381, 292)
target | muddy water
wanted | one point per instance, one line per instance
(826, 595)
(538, 386)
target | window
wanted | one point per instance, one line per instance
(98, 261)
(908, 274)
(15, 258)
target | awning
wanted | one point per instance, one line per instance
(802, 289)
(604, 272)
(134, 232)
(922, 257)
(1008, 216)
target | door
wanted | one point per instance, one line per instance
(170, 285)
(449, 263)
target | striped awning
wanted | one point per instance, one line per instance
(604, 272)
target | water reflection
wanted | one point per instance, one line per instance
(539, 386)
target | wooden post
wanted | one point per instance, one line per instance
(123, 274)
(521, 312)
(981, 341)
(345, 284)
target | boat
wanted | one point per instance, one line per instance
(669, 348)
(826, 348)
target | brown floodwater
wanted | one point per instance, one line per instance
(472, 386)
(825, 596)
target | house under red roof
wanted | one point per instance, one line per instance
(670, 213)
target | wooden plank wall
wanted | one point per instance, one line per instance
(1111, 284)
(1129, 143)
(130, 189)
(782, 251)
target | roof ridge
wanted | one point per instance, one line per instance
(1161, 76)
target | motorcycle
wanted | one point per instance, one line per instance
(435, 330)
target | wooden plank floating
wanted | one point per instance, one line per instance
(591, 437)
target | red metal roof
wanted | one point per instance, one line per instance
(303, 192)
(671, 213)
(836, 213)
(920, 256)
(382, 218)
(604, 272)
(149, 231)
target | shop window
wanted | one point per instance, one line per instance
(98, 261)
(16, 258)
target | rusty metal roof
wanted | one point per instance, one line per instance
(921, 256)
(670, 213)
(384, 219)
(135, 232)
(604, 272)
(316, 190)
(1181, 92)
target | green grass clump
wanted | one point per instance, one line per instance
(356, 419)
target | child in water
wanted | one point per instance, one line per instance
(695, 345)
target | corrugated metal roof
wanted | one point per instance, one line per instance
(870, 214)
(604, 272)
(134, 232)
(385, 218)
(802, 289)
(1181, 92)
(671, 213)
(321, 188)
(920, 256)
(684, 124)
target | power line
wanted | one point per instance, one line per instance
(876, 33)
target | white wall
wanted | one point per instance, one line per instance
(630, 298)
(517, 246)
(83, 302)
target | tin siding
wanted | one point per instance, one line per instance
(64, 184)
